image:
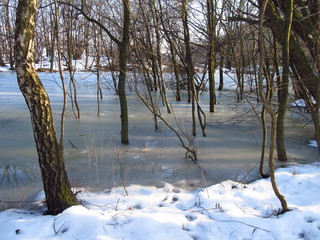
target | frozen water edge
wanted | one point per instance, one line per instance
(221, 211)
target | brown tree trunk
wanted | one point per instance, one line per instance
(221, 73)
(283, 91)
(123, 56)
(173, 53)
(268, 107)
(298, 57)
(55, 181)
(189, 65)
(211, 57)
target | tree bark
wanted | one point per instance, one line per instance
(221, 73)
(123, 56)
(55, 181)
(283, 88)
(189, 65)
(268, 107)
(298, 57)
(211, 57)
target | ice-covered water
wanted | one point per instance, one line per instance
(95, 159)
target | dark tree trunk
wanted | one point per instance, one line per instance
(211, 57)
(284, 85)
(189, 66)
(268, 107)
(2, 63)
(123, 52)
(55, 181)
(221, 73)
(298, 57)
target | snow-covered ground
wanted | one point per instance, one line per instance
(223, 211)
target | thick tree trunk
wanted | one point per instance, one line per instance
(55, 181)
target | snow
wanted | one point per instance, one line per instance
(299, 103)
(313, 143)
(228, 210)
(4, 69)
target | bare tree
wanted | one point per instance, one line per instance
(270, 109)
(123, 46)
(55, 181)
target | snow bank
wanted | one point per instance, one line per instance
(224, 211)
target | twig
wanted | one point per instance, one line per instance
(247, 224)
(240, 182)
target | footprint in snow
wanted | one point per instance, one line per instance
(191, 218)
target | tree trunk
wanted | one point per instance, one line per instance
(173, 53)
(55, 181)
(123, 56)
(9, 36)
(211, 57)
(98, 48)
(221, 73)
(268, 107)
(275, 188)
(163, 87)
(189, 65)
(283, 91)
(298, 57)
(264, 143)
(63, 83)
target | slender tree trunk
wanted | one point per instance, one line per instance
(97, 48)
(163, 87)
(211, 54)
(268, 107)
(123, 56)
(189, 65)
(71, 70)
(264, 142)
(64, 88)
(176, 70)
(172, 53)
(9, 35)
(123, 46)
(275, 188)
(283, 91)
(53, 44)
(55, 181)
(221, 73)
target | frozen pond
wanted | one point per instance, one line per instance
(95, 159)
